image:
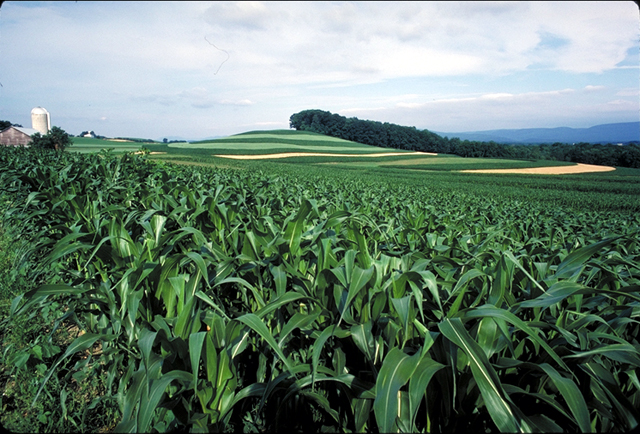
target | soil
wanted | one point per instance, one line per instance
(551, 170)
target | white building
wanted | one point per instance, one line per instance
(40, 120)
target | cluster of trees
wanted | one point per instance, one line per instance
(56, 139)
(587, 153)
(136, 140)
(6, 124)
(95, 136)
(401, 137)
(373, 133)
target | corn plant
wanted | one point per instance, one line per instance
(219, 299)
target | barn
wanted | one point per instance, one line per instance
(16, 136)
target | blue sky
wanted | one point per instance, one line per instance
(202, 69)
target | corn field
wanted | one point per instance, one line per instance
(224, 299)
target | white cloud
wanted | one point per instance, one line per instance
(592, 88)
(500, 110)
(241, 102)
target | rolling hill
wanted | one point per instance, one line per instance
(623, 132)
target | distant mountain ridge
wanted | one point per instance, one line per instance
(622, 132)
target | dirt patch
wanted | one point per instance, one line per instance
(316, 154)
(551, 170)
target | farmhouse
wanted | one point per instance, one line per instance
(16, 136)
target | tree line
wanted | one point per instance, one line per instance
(390, 135)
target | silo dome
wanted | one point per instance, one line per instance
(40, 120)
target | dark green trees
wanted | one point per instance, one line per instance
(56, 139)
(374, 133)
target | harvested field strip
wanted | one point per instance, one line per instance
(238, 147)
(554, 170)
(316, 154)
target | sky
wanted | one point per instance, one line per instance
(194, 70)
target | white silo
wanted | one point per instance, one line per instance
(40, 120)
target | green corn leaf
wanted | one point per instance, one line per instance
(359, 279)
(247, 285)
(419, 382)
(362, 336)
(484, 374)
(318, 345)
(295, 228)
(576, 259)
(298, 320)
(199, 261)
(626, 410)
(286, 298)
(572, 396)
(402, 306)
(512, 258)
(280, 279)
(492, 311)
(555, 294)
(148, 404)
(501, 281)
(184, 319)
(146, 340)
(196, 341)
(623, 353)
(397, 368)
(131, 400)
(204, 297)
(255, 323)
(487, 335)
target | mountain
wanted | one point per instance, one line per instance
(606, 133)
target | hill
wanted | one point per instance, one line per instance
(623, 132)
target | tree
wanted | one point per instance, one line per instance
(7, 124)
(56, 139)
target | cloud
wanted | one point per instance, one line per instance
(240, 102)
(240, 15)
(628, 92)
(499, 110)
(592, 88)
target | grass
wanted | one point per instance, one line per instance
(90, 145)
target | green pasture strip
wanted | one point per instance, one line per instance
(475, 164)
(425, 163)
(295, 137)
(88, 141)
(115, 149)
(89, 145)
(241, 147)
(620, 172)
(282, 132)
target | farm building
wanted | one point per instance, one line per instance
(41, 120)
(16, 136)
